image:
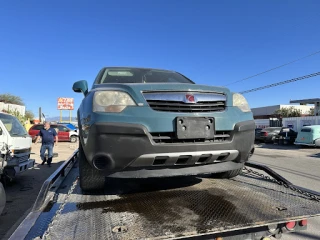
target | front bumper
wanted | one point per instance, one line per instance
(121, 147)
(24, 166)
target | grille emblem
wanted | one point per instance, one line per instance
(190, 99)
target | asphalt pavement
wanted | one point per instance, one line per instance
(301, 166)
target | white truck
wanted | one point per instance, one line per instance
(15, 150)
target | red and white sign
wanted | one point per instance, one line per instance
(65, 103)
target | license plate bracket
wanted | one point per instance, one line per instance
(195, 127)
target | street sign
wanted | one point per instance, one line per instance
(65, 103)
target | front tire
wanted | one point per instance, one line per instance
(91, 179)
(73, 139)
(228, 174)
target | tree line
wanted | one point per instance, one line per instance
(12, 99)
(292, 112)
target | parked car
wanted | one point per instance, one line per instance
(287, 135)
(290, 133)
(309, 136)
(142, 123)
(268, 134)
(65, 134)
(257, 132)
(69, 125)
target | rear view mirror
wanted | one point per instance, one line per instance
(81, 86)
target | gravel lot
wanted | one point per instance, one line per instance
(301, 166)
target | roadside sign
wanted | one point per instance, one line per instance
(65, 103)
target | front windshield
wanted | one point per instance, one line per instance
(140, 75)
(13, 126)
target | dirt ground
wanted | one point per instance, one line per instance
(23, 191)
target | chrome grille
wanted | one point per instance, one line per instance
(181, 101)
(170, 106)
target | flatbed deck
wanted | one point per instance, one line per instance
(182, 207)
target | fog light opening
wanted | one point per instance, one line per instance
(204, 158)
(160, 160)
(223, 156)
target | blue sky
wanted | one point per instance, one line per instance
(47, 45)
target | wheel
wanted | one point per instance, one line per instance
(73, 139)
(91, 179)
(228, 174)
(2, 198)
(317, 142)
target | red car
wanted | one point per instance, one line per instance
(65, 134)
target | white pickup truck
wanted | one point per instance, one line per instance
(15, 149)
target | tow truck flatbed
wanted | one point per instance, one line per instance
(169, 208)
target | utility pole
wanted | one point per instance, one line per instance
(40, 115)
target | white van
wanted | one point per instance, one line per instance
(15, 146)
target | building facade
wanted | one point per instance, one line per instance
(269, 111)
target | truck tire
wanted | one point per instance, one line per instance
(228, 174)
(73, 139)
(91, 179)
(2, 198)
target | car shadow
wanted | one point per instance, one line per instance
(277, 146)
(119, 186)
(316, 155)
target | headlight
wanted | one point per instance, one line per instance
(240, 102)
(111, 101)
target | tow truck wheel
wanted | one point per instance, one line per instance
(90, 179)
(228, 174)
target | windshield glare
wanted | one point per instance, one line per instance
(13, 126)
(136, 75)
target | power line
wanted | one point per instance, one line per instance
(271, 69)
(281, 83)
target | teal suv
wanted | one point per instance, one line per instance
(143, 123)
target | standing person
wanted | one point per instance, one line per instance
(48, 135)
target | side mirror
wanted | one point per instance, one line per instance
(81, 86)
(0, 131)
